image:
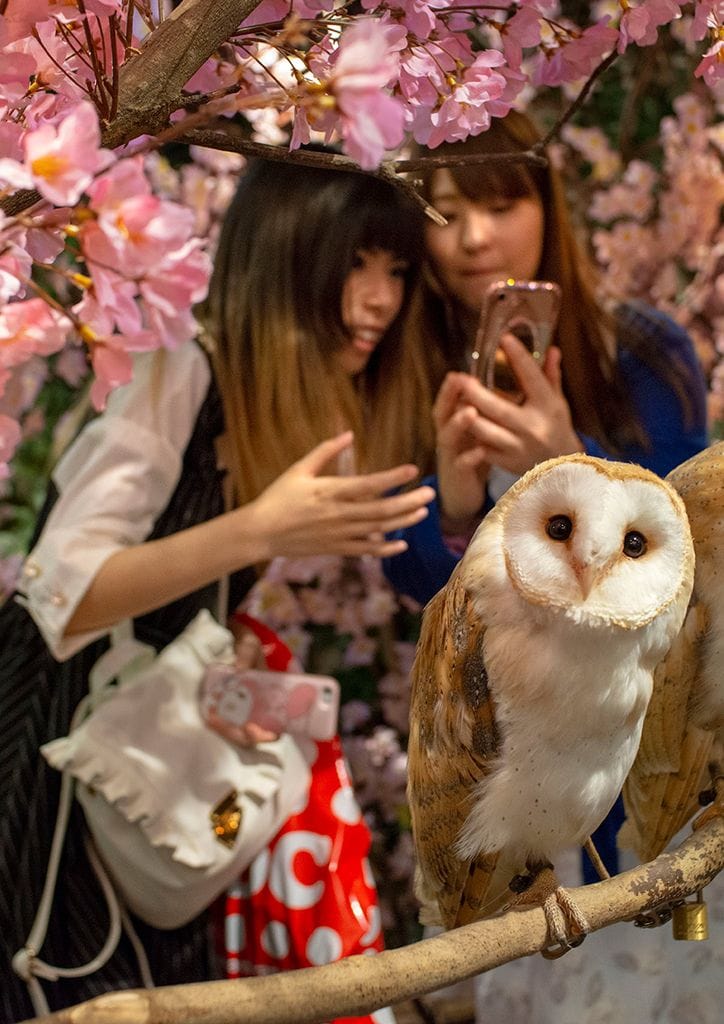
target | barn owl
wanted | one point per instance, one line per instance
(532, 676)
(684, 728)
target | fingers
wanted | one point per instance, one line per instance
(552, 369)
(315, 461)
(372, 485)
(383, 511)
(369, 546)
(242, 735)
(448, 397)
(526, 369)
(455, 434)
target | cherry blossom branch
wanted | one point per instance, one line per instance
(361, 984)
(170, 56)
(577, 103)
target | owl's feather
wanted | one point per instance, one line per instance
(685, 712)
(454, 737)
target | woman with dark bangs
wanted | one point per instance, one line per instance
(300, 346)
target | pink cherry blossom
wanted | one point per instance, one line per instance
(521, 31)
(136, 234)
(53, 57)
(64, 159)
(369, 120)
(11, 137)
(109, 350)
(15, 73)
(19, 17)
(123, 180)
(711, 66)
(466, 111)
(30, 328)
(639, 24)
(576, 58)
(365, 62)
(15, 268)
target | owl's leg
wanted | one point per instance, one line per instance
(567, 925)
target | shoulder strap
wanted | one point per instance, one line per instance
(26, 962)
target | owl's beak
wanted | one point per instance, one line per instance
(585, 573)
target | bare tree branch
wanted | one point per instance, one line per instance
(362, 984)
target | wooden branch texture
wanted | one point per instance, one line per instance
(151, 82)
(361, 984)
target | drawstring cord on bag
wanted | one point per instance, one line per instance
(26, 963)
(120, 660)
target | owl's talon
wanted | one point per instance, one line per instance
(563, 947)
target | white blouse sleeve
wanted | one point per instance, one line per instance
(113, 483)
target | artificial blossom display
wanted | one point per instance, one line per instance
(90, 256)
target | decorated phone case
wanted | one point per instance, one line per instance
(290, 702)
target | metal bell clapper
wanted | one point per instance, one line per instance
(689, 920)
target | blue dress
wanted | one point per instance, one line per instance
(427, 564)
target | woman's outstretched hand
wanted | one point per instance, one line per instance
(305, 513)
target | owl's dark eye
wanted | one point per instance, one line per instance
(559, 528)
(634, 544)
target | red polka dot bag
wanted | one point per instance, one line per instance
(309, 897)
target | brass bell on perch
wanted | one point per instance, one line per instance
(689, 921)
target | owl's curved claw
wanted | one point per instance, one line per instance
(561, 948)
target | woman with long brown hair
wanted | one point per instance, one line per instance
(298, 348)
(621, 384)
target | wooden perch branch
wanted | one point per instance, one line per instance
(361, 984)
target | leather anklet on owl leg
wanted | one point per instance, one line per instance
(714, 796)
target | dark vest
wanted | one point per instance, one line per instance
(37, 698)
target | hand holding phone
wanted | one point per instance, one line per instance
(232, 698)
(527, 309)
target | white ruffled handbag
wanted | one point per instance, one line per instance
(175, 811)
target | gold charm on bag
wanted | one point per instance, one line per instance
(689, 920)
(226, 819)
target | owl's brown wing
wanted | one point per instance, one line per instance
(453, 741)
(661, 791)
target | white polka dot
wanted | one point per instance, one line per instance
(233, 964)
(234, 932)
(345, 807)
(258, 872)
(367, 874)
(383, 1016)
(324, 946)
(373, 929)
(275, 940)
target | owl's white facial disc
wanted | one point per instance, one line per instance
(622, 561)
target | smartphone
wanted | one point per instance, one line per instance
(527, 309)
(292, 702)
